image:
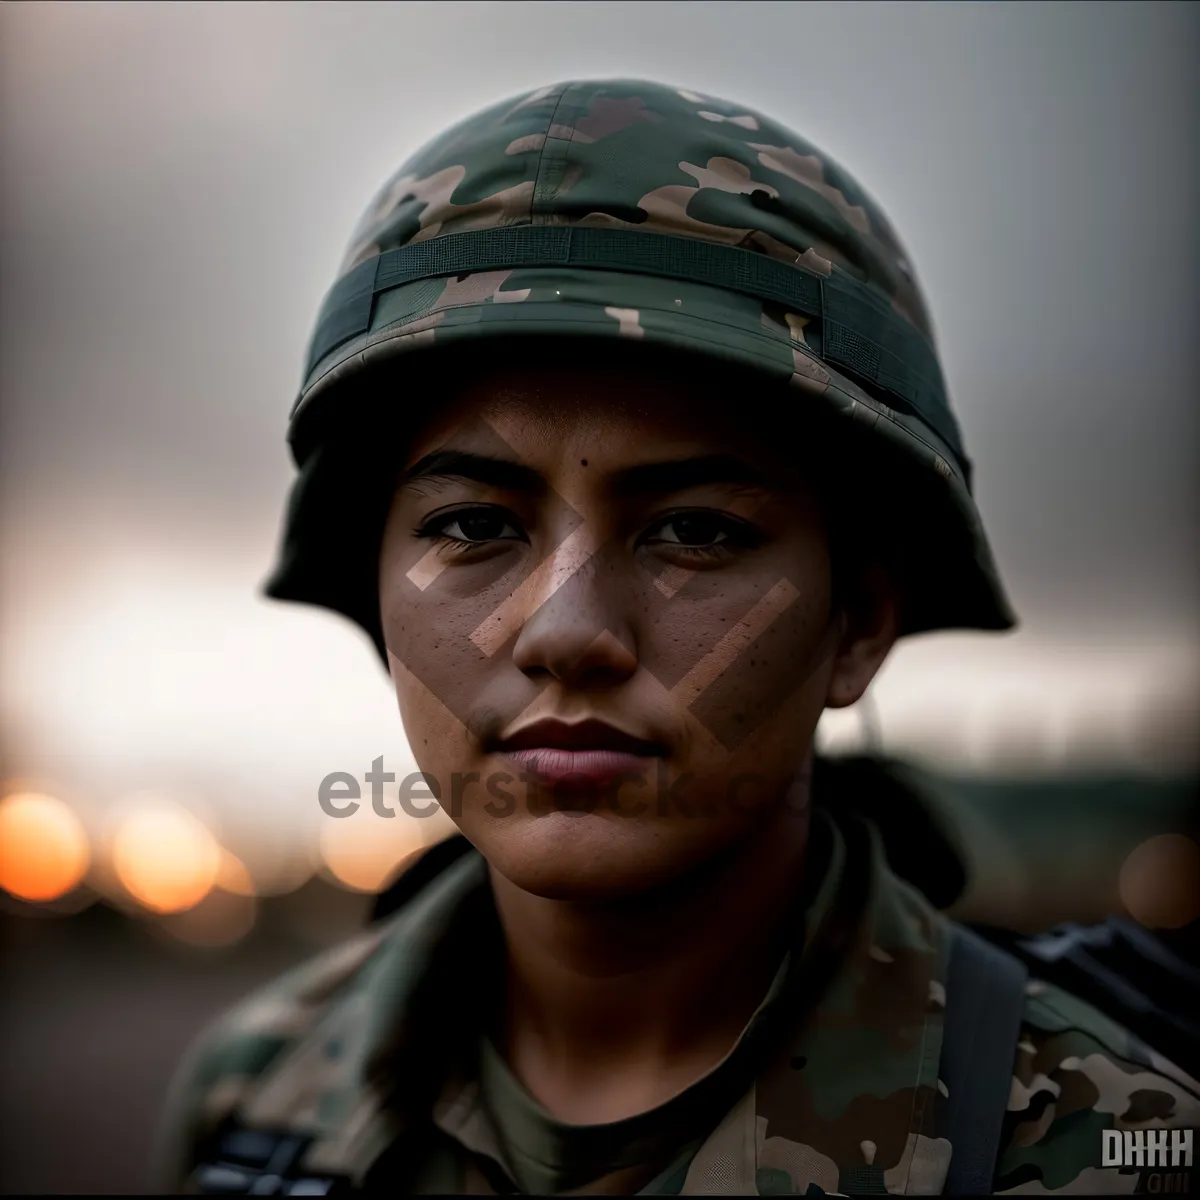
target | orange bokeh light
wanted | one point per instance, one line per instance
(362, 851)
(222, 918)
(165, 859)
(1159, 882)
(43, 848)
(233, 877)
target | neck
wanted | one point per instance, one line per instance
(613, 1007)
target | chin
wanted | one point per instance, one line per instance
(586, 857)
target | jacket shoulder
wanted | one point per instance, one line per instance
(230, 1055)
(1078, 1073)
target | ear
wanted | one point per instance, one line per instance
(870, 624)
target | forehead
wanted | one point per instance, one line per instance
(613, 412)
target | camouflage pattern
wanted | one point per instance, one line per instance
(848, 1101)
(634, 155)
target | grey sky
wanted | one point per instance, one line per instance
(180, 179)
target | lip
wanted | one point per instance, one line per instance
(582, 752)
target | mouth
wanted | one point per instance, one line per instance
(583, 753)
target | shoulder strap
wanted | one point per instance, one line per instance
(985, 998)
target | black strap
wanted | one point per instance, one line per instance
(860, 332)
(985, 999)
(1147, 981)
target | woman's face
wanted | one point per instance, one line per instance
(607, 609)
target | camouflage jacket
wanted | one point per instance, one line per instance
(348, 1054)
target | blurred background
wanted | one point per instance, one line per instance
(178, 184)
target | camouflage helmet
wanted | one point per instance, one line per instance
(627, 209)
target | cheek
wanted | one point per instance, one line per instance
(428, 632)
(747, 652)
(439, 739)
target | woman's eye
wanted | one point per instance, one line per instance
(478, 525)
(694, 530)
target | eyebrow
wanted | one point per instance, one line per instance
(645, 479)
(675, 476)
(479, 468)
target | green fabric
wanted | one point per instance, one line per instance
(861, 333)
(546, 1156)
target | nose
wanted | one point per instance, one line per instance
(577, 631)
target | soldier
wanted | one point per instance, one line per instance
(623, 436)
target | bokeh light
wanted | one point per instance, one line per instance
(279, 870)
(361, 852)
(165, 858)
(43, 847)
(233, 877)
(220, 919)
(1159, 883)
